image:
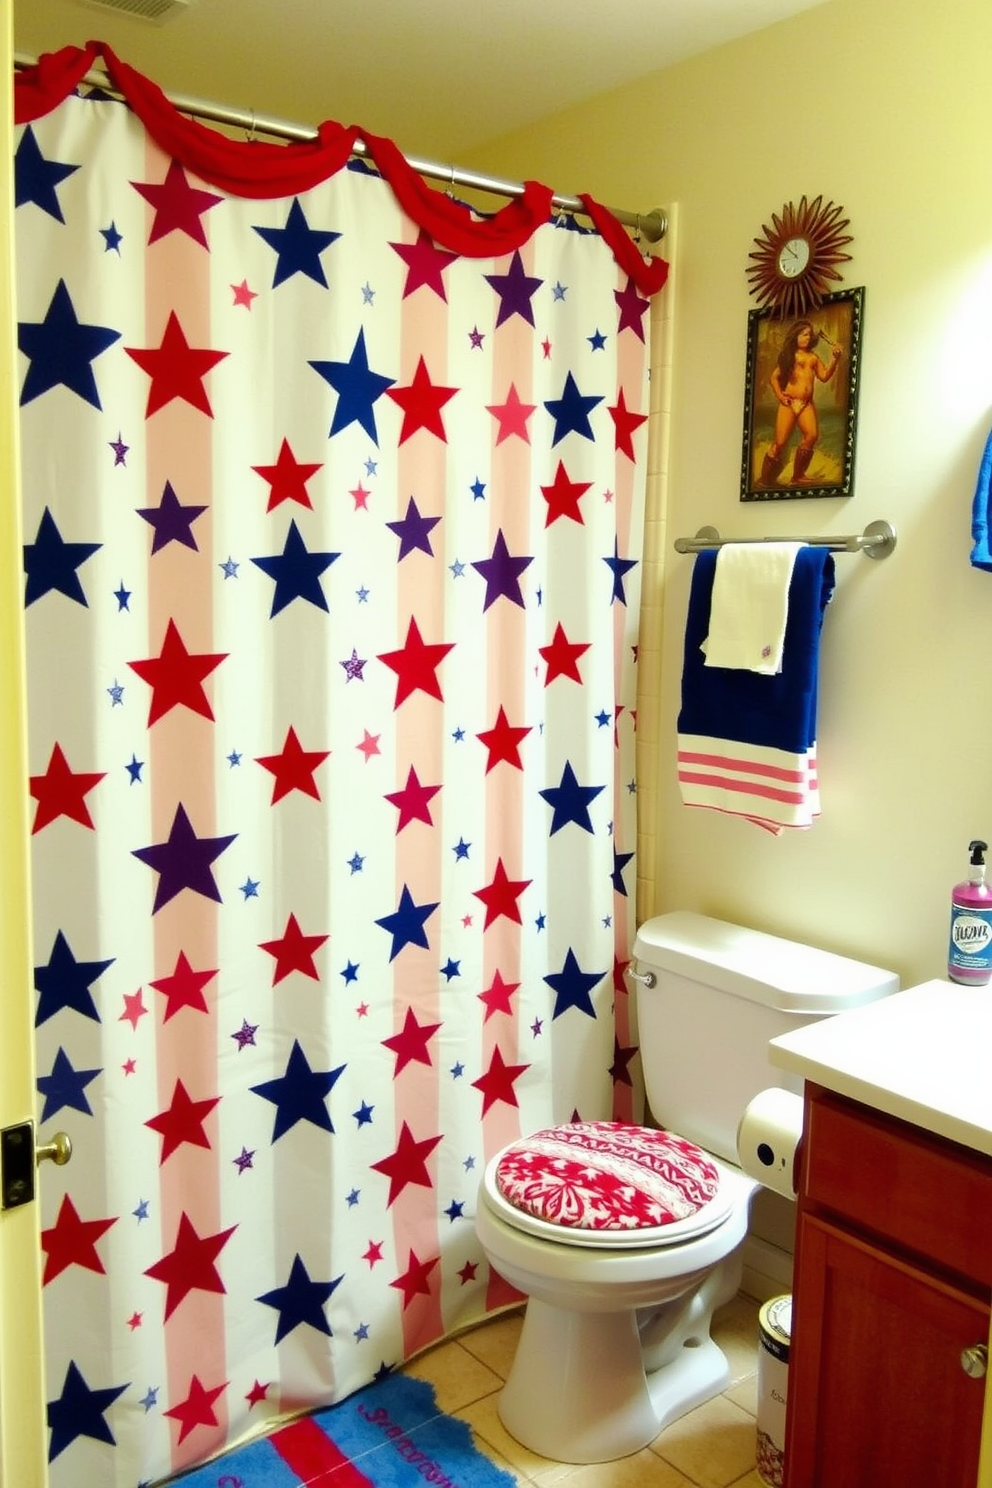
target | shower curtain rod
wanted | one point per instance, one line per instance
(650, 225)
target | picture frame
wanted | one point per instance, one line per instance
(802, 446)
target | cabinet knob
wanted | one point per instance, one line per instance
(974, 1360)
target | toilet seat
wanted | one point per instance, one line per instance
(608, 1185)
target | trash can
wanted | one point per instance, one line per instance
(774, 1338)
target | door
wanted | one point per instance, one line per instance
(22, 1396)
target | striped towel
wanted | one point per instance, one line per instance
(747, 741)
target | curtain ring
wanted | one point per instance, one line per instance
(250, 135)
(450, 192)
(637, 227)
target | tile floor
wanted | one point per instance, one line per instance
(711, 1447)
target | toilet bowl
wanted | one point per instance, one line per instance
(615, 1341)
(625, 1239)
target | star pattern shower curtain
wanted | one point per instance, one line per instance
(331, 583)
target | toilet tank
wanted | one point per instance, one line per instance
(720, 992)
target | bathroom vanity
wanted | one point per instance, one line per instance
(893, 1266)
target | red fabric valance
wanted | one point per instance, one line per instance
(260, 169)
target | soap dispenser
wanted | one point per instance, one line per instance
(969, 959)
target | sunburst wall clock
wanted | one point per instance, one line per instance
(794, 262)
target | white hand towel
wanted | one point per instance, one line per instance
(750, 606)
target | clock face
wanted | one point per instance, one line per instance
(793, 257)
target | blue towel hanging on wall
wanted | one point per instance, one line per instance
(981, 553)
(746, 741)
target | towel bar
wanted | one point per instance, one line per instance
(877, 541)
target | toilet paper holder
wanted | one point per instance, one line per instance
(769, 1140)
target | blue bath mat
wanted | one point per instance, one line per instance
(389, 1435)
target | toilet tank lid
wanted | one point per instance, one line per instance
(782, 974)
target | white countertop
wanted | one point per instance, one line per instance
(924, 1055)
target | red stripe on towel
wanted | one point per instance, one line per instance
(743, 787)
(729, 762)
(313, 1456)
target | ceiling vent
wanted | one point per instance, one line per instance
(158, 11)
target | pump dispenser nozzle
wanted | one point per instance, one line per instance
(978, 850)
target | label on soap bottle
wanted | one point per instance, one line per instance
(969, 957)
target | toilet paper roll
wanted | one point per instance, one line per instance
(768, 1139)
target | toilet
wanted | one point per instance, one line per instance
(625, 1239)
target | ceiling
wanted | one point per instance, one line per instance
(440, 76)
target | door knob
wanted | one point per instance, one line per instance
(975, 1360)
(58, 1150)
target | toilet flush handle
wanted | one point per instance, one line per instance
(646, 978)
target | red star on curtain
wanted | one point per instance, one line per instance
(176, 676)
(500, 897)
(414, 1281)
(410, 1044)
(182, 1122)
(189, 1266)
(619, 968)
(178, 205)
(287, 478)
(183, 988)
(502, 740)
(416, 665)
(512, 416)
(562, 656)
(497, 996)
(412, 801)
(498, 1081)
(71, 1241)
(197, 1409)
(407, 1164)
(563, 496)
(625, 421)
(294, 951)
(620, 1068)
(425, 264)
(176, 369)
(633, 307)
(60, 792)
(421, 403)
(293, 768)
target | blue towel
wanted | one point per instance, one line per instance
(981, 555)
(778, 711)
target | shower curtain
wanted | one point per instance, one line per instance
(332, 501)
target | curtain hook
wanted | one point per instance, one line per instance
(637, 227)
(250, 135)
(450, 192)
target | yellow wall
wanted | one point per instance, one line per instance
(883, 108)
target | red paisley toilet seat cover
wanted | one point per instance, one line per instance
(606, 1175)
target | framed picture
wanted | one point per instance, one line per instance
(801, 401)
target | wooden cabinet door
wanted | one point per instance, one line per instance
(877, 1392)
